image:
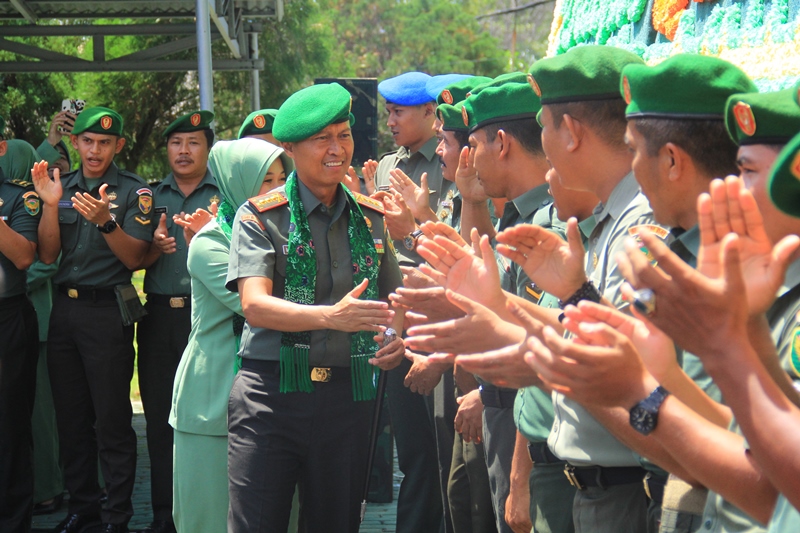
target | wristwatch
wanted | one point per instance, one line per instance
(644, 415)
(410, 240)
(109, 226)
(587, 291)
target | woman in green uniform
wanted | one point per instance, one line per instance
(243, 169)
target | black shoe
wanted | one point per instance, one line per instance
(158, 526)
(75, 523)
(50, 507)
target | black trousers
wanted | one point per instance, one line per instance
(316, 440)
(419, 504)
(90, 359)
(19, 353)
(162, 337)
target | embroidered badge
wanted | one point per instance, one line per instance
(195, 119)
(745, 118)
(250, 217)
(465, 115)
(145, 203)
(269, 201)
(142, 221)
(369, 223)
(447, 97)
(259, 121)
(106, 122)
(213, 200)
(655, 230)
(31, 201)
(626, 89)
(534, 86)
(112, 195)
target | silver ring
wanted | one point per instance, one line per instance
(645, 302)
(389, 336)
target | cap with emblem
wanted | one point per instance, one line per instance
(436, 84)
(762, 118)
(784, 180)
(451, 117)
(194, 121)
(684, 87)
(455, 92)
(583, 73)
(510, 101)
(310, 110)
(98, 120)
(258, 122)
(406, 89)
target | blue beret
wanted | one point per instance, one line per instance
(406, 89)
(436, 84)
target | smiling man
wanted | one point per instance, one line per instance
(99, 219)
(310, 262)
(164, 332)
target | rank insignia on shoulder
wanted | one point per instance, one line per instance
(372, 203)
(269, 201)
(658, 231)
(31, 202)
(143, 221)
(250, 217)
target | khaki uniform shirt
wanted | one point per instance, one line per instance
(576, 436)
(259, 248)
(20, 210)
(86, 259)
(169, 275)
(415, 165)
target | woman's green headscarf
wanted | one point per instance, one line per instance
(19, 160)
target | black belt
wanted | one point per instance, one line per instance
(318, 374)
(175, 302)
(581, 477)
(496, 397)
(654, 486)
(78, 292)
(540, 453)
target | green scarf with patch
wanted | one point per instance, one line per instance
(301, 281)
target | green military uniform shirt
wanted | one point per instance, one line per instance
(86, 259)
(415, 165)
(720, 516)
(20, 210)
(576, 435)
(48, 152)
(168, 275)
(259, 248)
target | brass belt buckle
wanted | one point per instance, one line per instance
(177, 303)
(321, 375)
(569, 471)
(72, 293)
(646, 483)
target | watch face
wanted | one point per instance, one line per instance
(408, 242)
(642, 420)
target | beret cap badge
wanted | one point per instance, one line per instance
(796, 166)
(106, 122)
(447, 96)
(195, 119)
(745, 118)
(259, 121)
(534, 86)
(465, 116)
(626, 90)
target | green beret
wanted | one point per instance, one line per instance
(762, 118)
(194, 121)
(455, 92)
(784, 180)
(510, 101)
(310, 110)
(98, 120)
(258, 122)
(502, 79)
(583, 73)
(452, 117)
(684, 87)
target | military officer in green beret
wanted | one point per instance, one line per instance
(310, 261)
(258, 125)
(19, 219)
(99, 219)
(163, 333)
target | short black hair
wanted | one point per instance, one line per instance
(208, 132)
(706, 141)
(526, 131)
(462, 137)
(604, 117)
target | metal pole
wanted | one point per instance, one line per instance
(255, 86)
(204, 72)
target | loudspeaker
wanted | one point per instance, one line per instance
(365, 108)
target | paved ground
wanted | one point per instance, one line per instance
(380, 517)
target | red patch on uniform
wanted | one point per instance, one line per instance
(259, 121)
(195, 119)
(534, 86)
(106, 122)
(745, 118)
(447, 97)
(626, 89)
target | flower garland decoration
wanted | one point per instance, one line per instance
(667, 16)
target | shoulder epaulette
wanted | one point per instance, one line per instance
(269, 200)
(366, 201)
(21, 183)
(658, 231)
(387, 154)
